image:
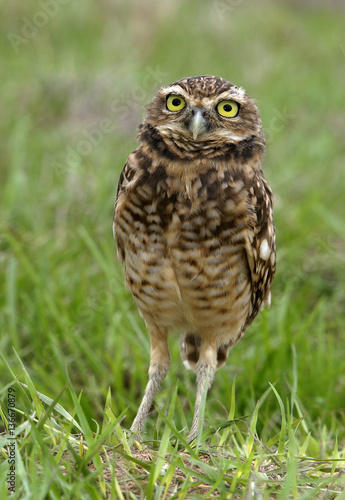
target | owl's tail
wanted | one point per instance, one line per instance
(190, 344)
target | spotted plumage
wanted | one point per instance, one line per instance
(194, 226)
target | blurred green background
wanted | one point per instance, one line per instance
(75, 80)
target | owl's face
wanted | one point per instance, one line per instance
(204, 114)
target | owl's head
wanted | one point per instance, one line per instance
(203, 116)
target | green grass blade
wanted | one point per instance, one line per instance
(282, 436)
(32, 389)
(161, 455)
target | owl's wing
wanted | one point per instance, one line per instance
(260, 245)
(126, 177)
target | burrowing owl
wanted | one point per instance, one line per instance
(194, 226)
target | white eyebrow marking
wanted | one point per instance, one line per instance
(239, 91)
(173, 89)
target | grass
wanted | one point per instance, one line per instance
(74, 86)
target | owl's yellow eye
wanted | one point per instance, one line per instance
(175, 102)
(229, 109)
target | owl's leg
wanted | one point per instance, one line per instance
(159, 366)
(205, 370)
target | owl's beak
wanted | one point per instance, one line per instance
(198, 124)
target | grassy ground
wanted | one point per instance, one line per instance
(74, 352)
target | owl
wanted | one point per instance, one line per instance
(193, 224)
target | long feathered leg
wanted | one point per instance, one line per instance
(159, 366)
(205, 370)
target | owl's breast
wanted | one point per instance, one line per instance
(184, 250)
(206, 251)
